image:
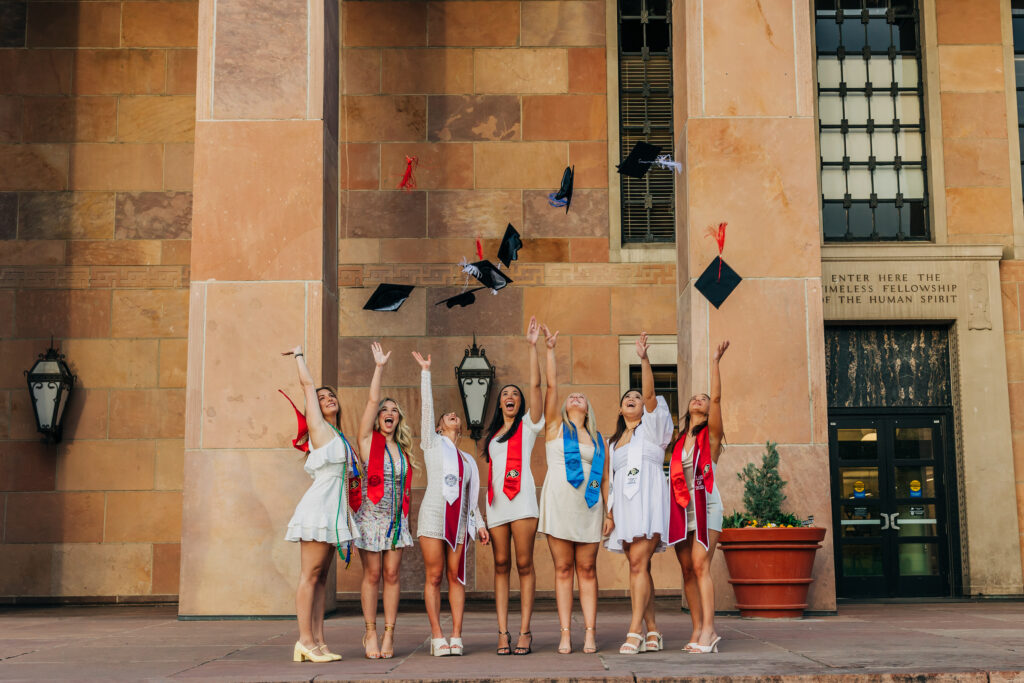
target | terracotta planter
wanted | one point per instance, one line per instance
(770, 569)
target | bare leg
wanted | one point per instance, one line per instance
(433, 550)
(501, 545)
(368, 591)
(586, 574)
(564, 557)
(456, 591)
(649, 621)
(319, 600)
(684, 553)
(314, 556)
(702, 568)
(524, 532)
(639, 554)
(392, 562)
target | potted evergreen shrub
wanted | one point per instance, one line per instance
(769, 553)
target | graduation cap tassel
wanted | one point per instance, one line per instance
(665, 161)
(408, 182)
(719, 236)
(479, 250)
(469, 268)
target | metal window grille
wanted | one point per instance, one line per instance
(645, 113)
(871, 127)
(1017, 9)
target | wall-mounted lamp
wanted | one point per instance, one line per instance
(475, 375)
(50, 382)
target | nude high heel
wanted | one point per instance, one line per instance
(388, 654)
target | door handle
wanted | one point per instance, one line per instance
(892, 520)
(885, 520)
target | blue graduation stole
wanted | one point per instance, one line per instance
(574, 464)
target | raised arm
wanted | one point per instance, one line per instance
(427, 433)
(715, 427)
(552, 418)
(370, 411)
(646, 374)
(320, 432)
(532, 333)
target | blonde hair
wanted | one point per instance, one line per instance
(403, 433)
(589, 422)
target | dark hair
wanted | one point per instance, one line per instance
(499, 420)
(620, 424)
(337, 416)
(684, 425)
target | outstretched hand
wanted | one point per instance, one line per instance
(642, 345)
(533, 331)
(424, 364)
(720, 351)
(549, 338)
(379, 357)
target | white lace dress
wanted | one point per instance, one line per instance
(323, 513)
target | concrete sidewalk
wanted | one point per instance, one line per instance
(969, 641)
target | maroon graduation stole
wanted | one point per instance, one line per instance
(355, 490)
(513, 467)
(452, 514)
(375, 473)
(703, 483)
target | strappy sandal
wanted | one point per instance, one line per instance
(507, 649)
(567, 650)
(699, 649)
(439, 647)
(518, 650)
(593, 649)
(654, 642)
(628, 648)
(388, 654)
(366, 635)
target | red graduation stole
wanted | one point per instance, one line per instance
(355, 490)
(452, 514)
(703, 483)
(513, 467)
(375, 472)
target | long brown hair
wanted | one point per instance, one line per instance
(620, 424)
(337, 416)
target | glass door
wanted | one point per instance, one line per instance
(888, 505)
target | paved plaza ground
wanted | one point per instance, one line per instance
(970, 641)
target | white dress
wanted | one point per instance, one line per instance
(714, 501)
(524, 505)
(647, 512)
(323, 514)
(431, 518)
(563, 509)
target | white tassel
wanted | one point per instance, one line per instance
(665, 161)
(469, 268)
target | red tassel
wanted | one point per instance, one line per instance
(719, 236)
(408, 182)
(479, 250)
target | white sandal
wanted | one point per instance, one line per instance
(439, 647)
(654, 642)
(628, 648)
(455, 646)
(699, 649)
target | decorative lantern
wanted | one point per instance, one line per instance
(475, 375)
(50, 382)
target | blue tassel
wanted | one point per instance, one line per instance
(554, 201)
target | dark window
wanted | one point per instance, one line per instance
(1018, 69)
(870, 120)
(645, 113)
(666, 384)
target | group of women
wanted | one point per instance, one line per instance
(596, 489)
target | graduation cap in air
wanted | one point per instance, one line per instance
(462, 299)
(564, 195)
(388, 297)
(718, 279)
(639, 160)
(488, 274)
(510, 246)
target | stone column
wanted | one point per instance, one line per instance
(745, 126)
(264, 278)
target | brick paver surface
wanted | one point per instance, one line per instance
(971, 641)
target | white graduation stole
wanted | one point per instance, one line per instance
(450, 486)
(634, 465)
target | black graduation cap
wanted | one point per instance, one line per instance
(510, 246)
(388, 297)
(488, 275)
(633, 165)
(717, 282)
(464, 299)
(564, 195)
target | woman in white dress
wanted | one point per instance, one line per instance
(385, 440)
(697, 500)
(638, 506)
(322, 519)
(449, 516)
(512, 497)
(572, 500)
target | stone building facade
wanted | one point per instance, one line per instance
(291, 122)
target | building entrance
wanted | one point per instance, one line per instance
(890, 492)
